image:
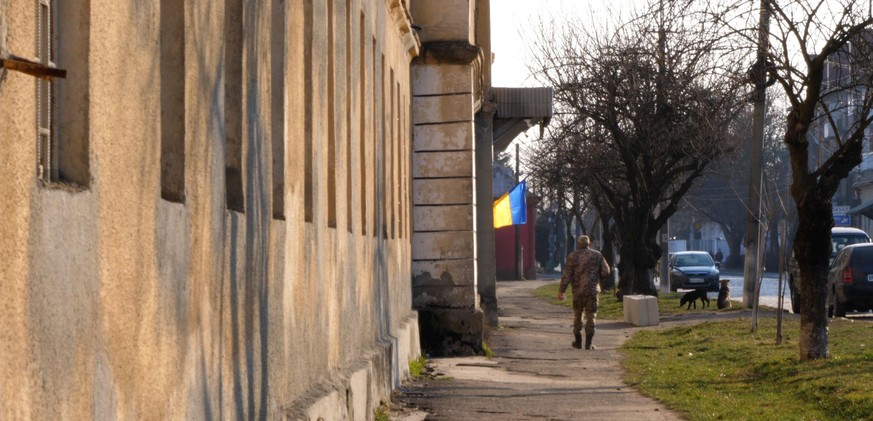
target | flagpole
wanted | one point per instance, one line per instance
(519, 260)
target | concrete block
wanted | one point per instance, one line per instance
(451, 332)
(438, 137)
(641, 310)
(443, 245)
(443, 272)
(443, 20)
(442, 109)
(443, 164)
(444, 297)
(441, 218)
(454, 191)
(439, 79)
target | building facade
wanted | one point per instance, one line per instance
(209, 215)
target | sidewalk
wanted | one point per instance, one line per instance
(535, 374)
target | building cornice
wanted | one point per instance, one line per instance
(399, 11)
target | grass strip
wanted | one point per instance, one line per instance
(719, 370)
(611, 308)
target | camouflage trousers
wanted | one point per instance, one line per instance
(585, 302)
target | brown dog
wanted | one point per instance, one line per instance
(724, 295)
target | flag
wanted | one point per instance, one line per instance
(511, 208)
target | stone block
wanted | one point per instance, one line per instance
(443, 245)
(442, 191)
(641, 310)
(426, 273)
(443, 20)
(434, 79)
(443, 164)
(438, 137)
(442, 108)
(451, 332)
(441, 218)
(444, 296)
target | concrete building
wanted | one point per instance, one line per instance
(217, 209)
(208, 217)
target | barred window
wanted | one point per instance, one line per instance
(63, 104)
(47, 167)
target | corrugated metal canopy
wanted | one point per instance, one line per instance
(518, 109)
(526, 103)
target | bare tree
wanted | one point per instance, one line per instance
(820, 55)
(648, 106)
(721, 194)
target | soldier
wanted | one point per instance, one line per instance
(584, 268)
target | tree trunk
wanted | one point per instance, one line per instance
(638, 255)
(608, 251)
(812, 247)
(734, 239)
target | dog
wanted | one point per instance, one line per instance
(692, 297)
(724, 295)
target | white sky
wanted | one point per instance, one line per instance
(511, 27)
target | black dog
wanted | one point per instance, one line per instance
(724, 295)
(692, 297)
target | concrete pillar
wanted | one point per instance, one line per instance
(446, 88)
(487, 269)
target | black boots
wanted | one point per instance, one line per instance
(588, 341)
(578, 342)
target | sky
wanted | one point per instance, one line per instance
(511, 28)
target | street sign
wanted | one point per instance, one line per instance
(842, 220)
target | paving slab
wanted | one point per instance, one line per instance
(535, 373)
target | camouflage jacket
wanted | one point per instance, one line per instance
(584, 269)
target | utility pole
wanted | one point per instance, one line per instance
(664, 274)
(758, 75)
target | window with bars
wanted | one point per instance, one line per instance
(62, 96)
(47, 168)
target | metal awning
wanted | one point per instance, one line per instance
(518, 109)
(865, 209)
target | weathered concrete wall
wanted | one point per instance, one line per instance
(119, 303)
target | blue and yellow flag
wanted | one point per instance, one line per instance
(511, 208)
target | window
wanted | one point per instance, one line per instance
(63, 104)
(233, 103)
(331, 116)
(47, 167)
(277, 115)
(173, 101)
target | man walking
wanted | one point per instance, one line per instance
(584, 268)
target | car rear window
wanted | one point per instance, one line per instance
(843, 240)
(862, 254)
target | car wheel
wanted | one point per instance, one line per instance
(795, 302)
(830, 311)
(839, 309)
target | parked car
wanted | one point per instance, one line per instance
(850, 280)
(840, 238)
(693, 270)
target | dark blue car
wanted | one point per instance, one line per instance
(693, 270)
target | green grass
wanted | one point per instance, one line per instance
(382, 413)
(416, 367)
(611, 308)
(487, 350)
(719, 370)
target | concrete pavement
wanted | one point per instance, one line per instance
(535, 374)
